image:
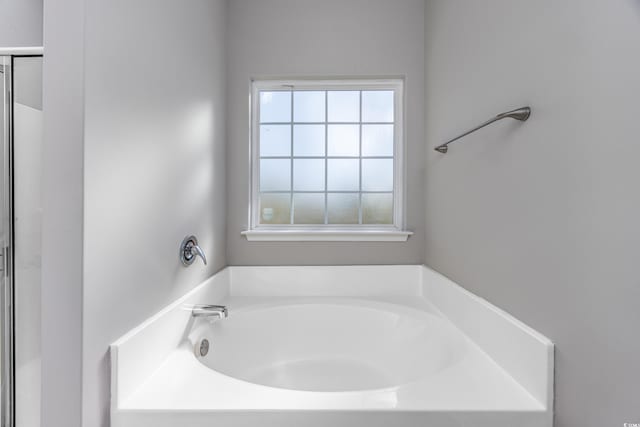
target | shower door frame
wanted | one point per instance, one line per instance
(7, 248)
(6, 252)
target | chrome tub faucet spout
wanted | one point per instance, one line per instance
(209, 310)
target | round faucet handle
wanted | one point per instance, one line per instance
(189, 250)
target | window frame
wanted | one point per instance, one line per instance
(340, 232)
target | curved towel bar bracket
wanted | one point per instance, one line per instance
(521, 114)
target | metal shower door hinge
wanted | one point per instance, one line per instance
(4, 265)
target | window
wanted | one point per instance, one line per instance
(327, 160)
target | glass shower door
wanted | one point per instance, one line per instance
(26, 234)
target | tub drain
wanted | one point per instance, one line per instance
(204, 347)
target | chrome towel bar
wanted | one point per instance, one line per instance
(521, 114)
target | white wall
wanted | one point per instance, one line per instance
(541, 218)
(324, 38)
(154, 166)
(21, 23)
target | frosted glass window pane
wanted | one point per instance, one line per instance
(275, 107)
(308, 175)
(344, 106)
(308, 140)
(377, 208)
(343, 175)
(344, 140)
(343, 208)
(275, 140)
(275, 175)
(275, 209)
(377, 175)
(308, 106)
(377, 106)
(377, 140)
(308, 208)
(326, 154)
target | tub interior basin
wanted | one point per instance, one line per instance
(331, 346)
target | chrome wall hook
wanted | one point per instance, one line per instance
(189, 250)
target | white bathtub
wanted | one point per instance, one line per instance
(330, 345)
(343, 346)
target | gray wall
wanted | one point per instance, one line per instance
(541, 218)
(21, 23)
(62, 189)
(154, 166)
(323, 38)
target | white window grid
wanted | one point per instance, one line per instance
(267, 85)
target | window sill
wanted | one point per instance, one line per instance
(326, 235)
